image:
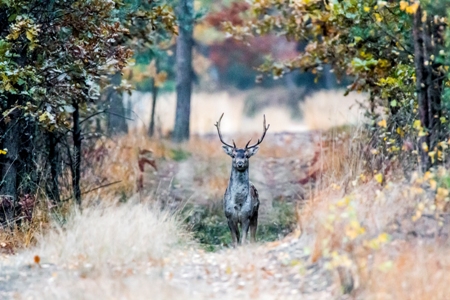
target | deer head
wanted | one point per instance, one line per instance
(241, 156)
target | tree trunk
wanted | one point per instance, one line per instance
(184, 70)
(28, 173)
(151, 128)
(429, 80)
(54, 159)
(76, 168)
(421, 86)
(117, 123)
(10, 141)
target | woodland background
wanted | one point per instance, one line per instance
(107, 145)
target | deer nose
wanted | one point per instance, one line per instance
(240, 164)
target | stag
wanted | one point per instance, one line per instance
(241, 200)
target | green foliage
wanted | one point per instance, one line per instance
(371, 42)
(57, 54)
(211, 229)
(179, 154)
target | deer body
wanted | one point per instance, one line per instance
(241, 201)
(241, 205)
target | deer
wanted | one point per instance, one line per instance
(241, 199)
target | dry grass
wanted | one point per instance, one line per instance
(321, 111)
(328, 109)
(107, 252)
(418, 270)
(113, 234)
(352, 221)
(206, 109)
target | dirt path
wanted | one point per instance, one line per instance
(278, 270)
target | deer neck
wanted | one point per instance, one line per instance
(239, 184)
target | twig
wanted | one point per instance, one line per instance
(91, 190)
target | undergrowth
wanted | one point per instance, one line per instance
(210, 228)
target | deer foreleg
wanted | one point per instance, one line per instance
(253, 227)
(245, 227)
(234, 231)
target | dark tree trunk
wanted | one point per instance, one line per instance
(117, 123)
(428, 83)
(28, 173)
(151, 128)
(54, 159)
(184, 70)
(421, 87)
(10, 141)
(76, 168)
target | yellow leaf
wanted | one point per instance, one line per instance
(428, 175)
(412, 8)
(379, 178)
(417, 124)
(29, 35)
(366, 8)
(442, 192)
(334, 186)
(382, 123)
(383, 237)
(424, 147)
(378, 17)
(440, 155)
(403, 5)
(432, 154)
(433, 184)
(343, 202)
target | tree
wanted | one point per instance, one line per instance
(148, 24)
(389, 49)
(185, 14)
(54, 58)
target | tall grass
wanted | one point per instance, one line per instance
(111, 234)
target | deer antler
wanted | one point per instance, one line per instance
(220, 135)
(262, 138)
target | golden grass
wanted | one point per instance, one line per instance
(110, 234)
(321, 111)
(352, 221)
(206, 109)
(327, 109)
(418, 270)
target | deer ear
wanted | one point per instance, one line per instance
(252, 151)
(228, 150)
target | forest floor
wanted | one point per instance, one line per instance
(327, 229)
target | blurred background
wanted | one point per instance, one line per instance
(226, 80)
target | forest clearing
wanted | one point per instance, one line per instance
(122, 120)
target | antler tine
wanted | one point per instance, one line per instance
(220, 135)
(246, 146)
(262, 137)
